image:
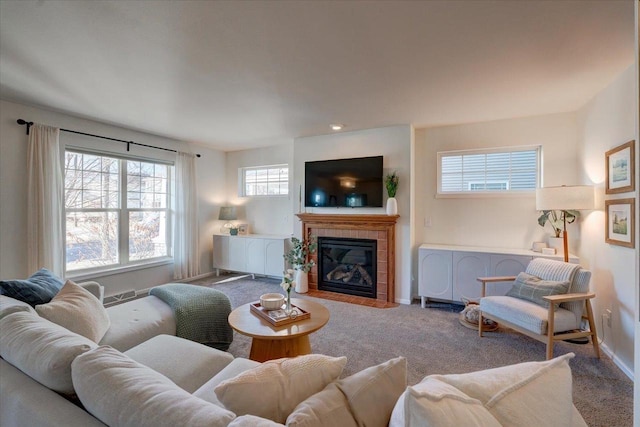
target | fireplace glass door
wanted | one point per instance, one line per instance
(347, 266)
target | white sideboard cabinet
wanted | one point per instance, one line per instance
(252, 253)
(449, 273)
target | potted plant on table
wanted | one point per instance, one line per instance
(391, 182)
(297, 257)
(556, 220)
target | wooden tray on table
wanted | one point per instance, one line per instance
(278, 317)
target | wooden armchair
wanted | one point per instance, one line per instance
(536, 321)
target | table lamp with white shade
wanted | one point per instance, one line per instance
(227, 213)
(565, 198)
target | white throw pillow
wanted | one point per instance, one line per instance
(41, 349)
(121, 392)
(373, 392)
(273, 389)
(435, 403)
(78, 310)
(10, 305)
(253, 421)
(527, 394)
(328, 408)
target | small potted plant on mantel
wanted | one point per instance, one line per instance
(391, 182)
(297, 257)
(556, 220)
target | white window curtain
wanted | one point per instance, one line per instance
(185, 241)
(45, 237)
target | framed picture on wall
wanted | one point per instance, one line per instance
(620, 226)
(620, 169)
(243, 229)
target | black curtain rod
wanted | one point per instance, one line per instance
(129, 143)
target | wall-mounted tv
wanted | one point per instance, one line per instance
(351, 183)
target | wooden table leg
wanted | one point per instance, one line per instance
(266, 349)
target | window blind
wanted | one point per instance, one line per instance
(489, 170)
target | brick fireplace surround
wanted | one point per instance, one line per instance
(376, 227)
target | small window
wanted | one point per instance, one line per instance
(512, 170)
(264, 181)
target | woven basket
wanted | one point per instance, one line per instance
(470, 315)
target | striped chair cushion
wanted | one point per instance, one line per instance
(578, 278)
(549, 269)
(527, 315)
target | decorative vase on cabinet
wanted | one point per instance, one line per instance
(392, 206)
(302, 282)
(558, 244)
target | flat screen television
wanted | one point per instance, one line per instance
(351, 183)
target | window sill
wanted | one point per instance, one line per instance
(88, 275)
(486, 195)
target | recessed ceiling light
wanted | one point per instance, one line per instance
(336, 126)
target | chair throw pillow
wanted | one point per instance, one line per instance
(532, 288)
(78, 310)
(273, 389)
(39, 288)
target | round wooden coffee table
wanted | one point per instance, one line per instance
(273, 342)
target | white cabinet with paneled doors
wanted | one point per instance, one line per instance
(449, 273)
(253, 253)
(435, 274)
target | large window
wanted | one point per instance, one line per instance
(505, 170)
(265, 181)
(117, 211)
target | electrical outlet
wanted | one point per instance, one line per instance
(608, 314)
(427, 222)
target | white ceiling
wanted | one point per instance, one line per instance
(237, 75)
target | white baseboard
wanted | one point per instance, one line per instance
(403, 301)
(190, 279)
(616, 360)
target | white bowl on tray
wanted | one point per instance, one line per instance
(272, 301)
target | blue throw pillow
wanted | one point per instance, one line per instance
(37, 289)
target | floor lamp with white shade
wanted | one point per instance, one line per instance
(565, 198)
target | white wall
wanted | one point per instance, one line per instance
(509, 222)
(210, 169)
(265, 215)
(605, 122)
(13, 189)
(394, 143)
(636, 389)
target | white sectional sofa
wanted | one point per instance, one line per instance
(132, 323)
(141, 375)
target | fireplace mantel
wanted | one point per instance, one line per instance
(337, 219)
(369, 226)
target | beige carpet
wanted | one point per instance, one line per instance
(434, 342)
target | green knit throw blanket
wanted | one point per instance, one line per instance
(201, 313)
